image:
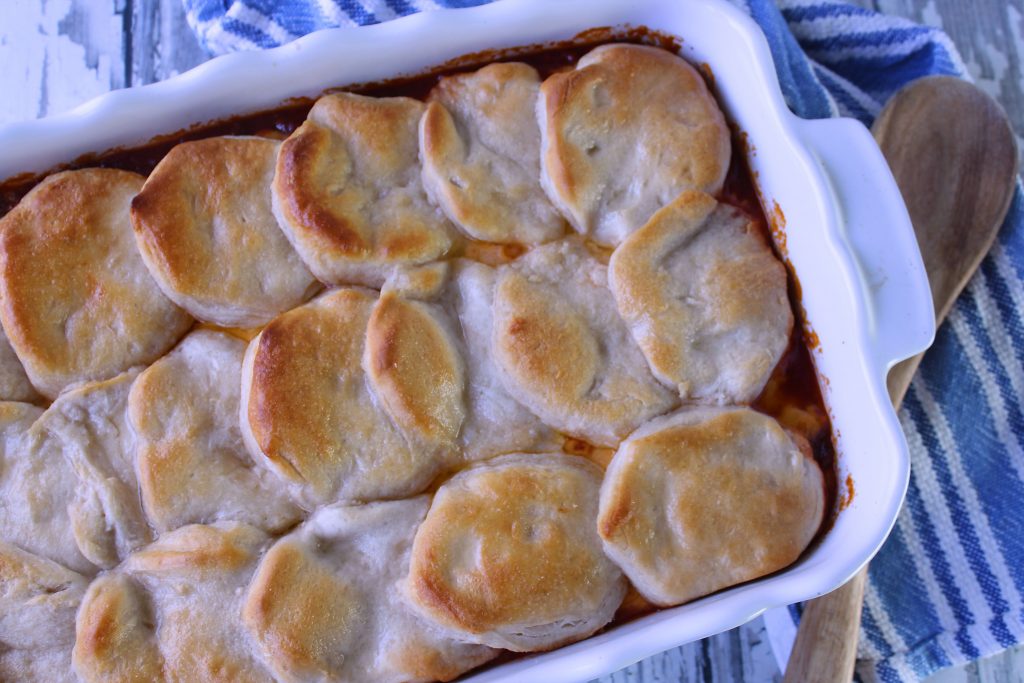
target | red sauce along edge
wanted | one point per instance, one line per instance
(792, 395)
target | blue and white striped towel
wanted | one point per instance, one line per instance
(948, 586)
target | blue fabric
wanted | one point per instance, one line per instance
(948, 585)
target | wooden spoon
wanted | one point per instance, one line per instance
(954, 156)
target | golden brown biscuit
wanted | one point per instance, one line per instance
(419, 282)
(480, 146)
(77, 301)
(308, 413)
(495, 422)
(623, 134)
(205, 229)
(452, 373)
(36, 487)
(707, 498)
(38, 600)
(508, 555)
(192, 463)
(415, 369)
(348, 194)
(81, 451)
(171, 611)
(114, 640)
(705, 298)
(564, 351)
(68, 490)
(323, 605)
(14, 384)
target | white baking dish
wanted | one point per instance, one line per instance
(847, 235)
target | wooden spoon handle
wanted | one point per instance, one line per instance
(827, 638)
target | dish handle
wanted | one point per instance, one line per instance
(874, 223)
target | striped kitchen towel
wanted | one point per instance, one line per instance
(948, 586)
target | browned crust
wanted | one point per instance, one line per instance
(23, 571)
(617, 515)
(205, 226)
(532, 567)
(198, 548)
(274, 417)
(63, 262)
(479, 147)
(408, 245)
(686, 142)
(311, 412)
(436, 128)
(557, 90)
(301, 158)
(416, 368)
(739, 282)
(348, 193)
(755, 523)
(420, 661)
(298, 612)
(548, 342)
(114, 634)
(618, 519)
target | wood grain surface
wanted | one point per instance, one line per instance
(56, 54)
(990, 37)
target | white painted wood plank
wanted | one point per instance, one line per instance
(162, 43)
(989, 35)
(57, 54)
(1006, 667)
(737, 656)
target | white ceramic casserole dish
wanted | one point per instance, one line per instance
(847, 236)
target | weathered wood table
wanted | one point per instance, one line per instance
(55, 54)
